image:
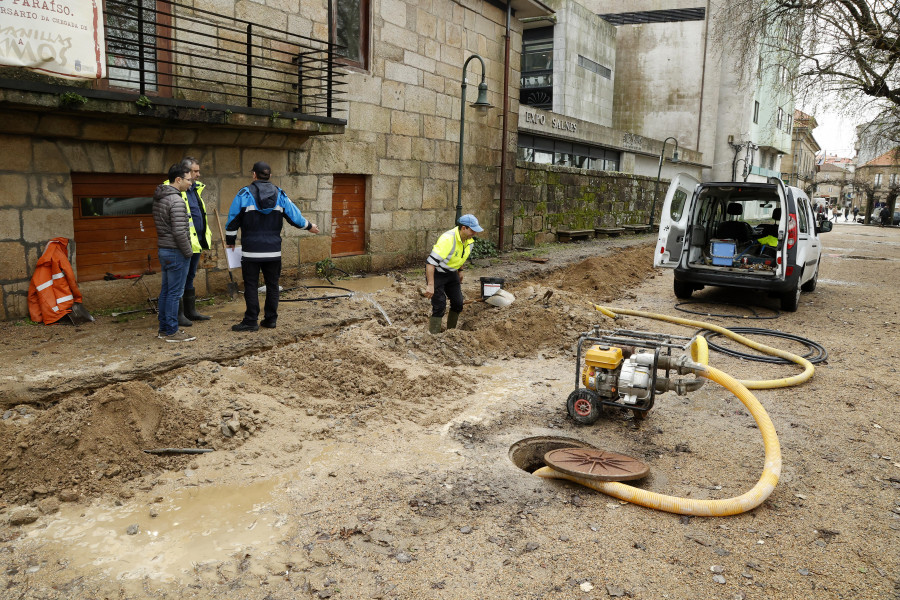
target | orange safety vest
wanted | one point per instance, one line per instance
(53, 289)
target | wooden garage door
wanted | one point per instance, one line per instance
(114, 228)
(348, 215)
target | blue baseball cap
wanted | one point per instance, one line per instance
(471, 222)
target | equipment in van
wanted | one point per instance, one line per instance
(759, 236)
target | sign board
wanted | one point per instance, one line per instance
(63, 38)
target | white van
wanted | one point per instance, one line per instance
(759, 236)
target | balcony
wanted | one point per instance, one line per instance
(168, 60)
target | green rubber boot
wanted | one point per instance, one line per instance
(452, 319)
(434, 325)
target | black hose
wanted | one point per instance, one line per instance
(816, 354)
(308, 287)
(747, 307)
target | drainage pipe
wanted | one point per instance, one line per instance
(765, 384)
(701, 508)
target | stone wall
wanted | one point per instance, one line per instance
(42, 150)
(548, 198)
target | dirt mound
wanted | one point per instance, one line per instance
(92, 443)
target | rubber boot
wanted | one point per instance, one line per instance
(190, 307)
(183, 321)
(434, 325)
(452, 319)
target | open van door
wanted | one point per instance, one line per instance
(673, 221)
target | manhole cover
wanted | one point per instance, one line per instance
(596, 464)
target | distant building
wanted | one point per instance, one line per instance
(882, 176)
(834, 182)
(799, 167)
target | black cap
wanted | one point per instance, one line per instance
(262, 170)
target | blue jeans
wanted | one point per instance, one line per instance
(192, 270)
(174, 272)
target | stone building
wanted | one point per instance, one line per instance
(799, 167)
(363, 137)
(675, 79)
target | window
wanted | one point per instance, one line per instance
(566, 154)
(756, 112)
(351, 31)
(536, 85)
(877, 179)
(137, 30)
(113, 223)
(803, 215)
(779, 123)
(594, 67)
(894, 178)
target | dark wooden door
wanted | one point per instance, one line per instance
(348, 215)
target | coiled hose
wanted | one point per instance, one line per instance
(741, 389)
(764, 384)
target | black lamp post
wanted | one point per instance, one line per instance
(662, 156)
(482, 104)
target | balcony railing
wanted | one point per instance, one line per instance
(160, 48)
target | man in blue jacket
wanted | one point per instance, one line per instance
(258, 211)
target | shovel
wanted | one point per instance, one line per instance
(232, 285)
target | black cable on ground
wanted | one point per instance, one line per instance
(327, 287)
(748, 308)
(816, 354)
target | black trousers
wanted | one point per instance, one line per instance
(446, 285)
(271, 272)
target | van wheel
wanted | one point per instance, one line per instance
(791, 300)
(810, 285)
(683, 290)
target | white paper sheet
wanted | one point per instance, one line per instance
(234, 257)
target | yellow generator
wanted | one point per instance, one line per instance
(620, 371)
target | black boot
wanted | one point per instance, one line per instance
(190, 307)
(183, 321)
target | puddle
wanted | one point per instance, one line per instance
(358, 285)
(193, 526)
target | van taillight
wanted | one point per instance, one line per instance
(792, 231)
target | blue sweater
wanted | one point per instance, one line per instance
(258, 211)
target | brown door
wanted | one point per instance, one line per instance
(114, 228)
(348, 215)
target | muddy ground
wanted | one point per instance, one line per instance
(355, 456)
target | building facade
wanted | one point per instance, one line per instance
(799, 167)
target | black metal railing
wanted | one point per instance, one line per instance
(167, 49)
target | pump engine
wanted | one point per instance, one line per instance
(621, 370)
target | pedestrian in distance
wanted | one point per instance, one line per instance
(855, 213)
(885, 216)
(201, 239)
(443, 272)
(846, 213)
(259, 211)
(170, 213)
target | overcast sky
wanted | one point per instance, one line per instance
(835, 134)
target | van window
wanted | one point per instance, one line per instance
(803, 215)
(678, 205)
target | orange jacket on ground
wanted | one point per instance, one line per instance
(53, 289)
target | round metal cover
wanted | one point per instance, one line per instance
(598, 465)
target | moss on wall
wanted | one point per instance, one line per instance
(566, 198)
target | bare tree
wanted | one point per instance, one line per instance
(846, 50)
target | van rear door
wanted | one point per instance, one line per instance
(673, 221)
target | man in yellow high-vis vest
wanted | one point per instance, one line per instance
(201, 239)
(443, 271)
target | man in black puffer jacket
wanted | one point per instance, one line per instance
(174, 240)
(258, 211)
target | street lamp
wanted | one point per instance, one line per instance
(481, 104)
(662, 155)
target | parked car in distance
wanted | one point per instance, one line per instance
(757, 236)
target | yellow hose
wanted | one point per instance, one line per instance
(702, 508)
(765, 384)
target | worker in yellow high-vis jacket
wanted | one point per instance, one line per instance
(443, 271)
